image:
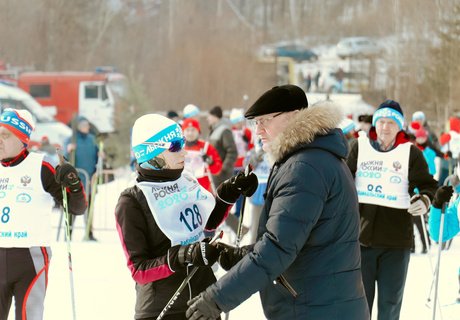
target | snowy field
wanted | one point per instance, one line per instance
(104, 288)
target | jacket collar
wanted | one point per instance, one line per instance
(302, 129)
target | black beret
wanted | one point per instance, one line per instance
(278, 99)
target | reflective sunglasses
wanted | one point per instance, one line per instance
(173, 146)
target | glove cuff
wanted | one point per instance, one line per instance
(173, 259)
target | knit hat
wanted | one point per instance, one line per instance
(216, 111)
(347, 125)
(278, 99)
(172, 114)
(191, 110)
(389, 109)
(191, 123)
(418, 116)
(151, 134)
(236, 115)
(19, 122)
(421, 133)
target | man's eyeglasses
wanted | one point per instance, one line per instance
(173, 146)
(264, 121)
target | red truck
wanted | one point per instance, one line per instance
(66, 94)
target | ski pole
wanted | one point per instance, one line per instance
(67, 232)
(208, 171)
(184, 283)
(239, 231)
(441, 230)
(94, 185)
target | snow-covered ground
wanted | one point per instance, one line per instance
(104, 288)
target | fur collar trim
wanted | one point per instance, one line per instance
(315, 120)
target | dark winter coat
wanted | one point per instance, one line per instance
(221, 137)
(384, 227)
(308, 229)
(146, 250)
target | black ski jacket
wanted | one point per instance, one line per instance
(146, 250)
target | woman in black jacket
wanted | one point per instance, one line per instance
(162, 220)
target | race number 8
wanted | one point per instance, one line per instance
(5, 214)
(192, 218)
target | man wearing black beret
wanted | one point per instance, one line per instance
(306, 260)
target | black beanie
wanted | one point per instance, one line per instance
(278, 99)
(216, 111)
(172, 114)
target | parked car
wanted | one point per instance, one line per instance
(45, 125)
(359, 47)
(296, 51)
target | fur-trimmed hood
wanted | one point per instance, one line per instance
(313, 127)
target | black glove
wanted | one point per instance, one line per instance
(66, 175)
(442, 195)
(207, 159)
(202, 307)
(231, 189)
(199, 254)
(230, 255)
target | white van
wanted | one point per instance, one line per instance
(45, 125)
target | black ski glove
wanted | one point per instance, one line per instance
(443, 195)
(207, 159)
(202, 307)
(66, 175)
(240, 184)
(198, 254)
(230, 255)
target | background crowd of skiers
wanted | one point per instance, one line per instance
(333, 207)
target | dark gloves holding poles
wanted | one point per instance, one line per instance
(240, 184)
(198, 254)
(66, 175)
(443, 195)
(230, 255)
(202, 307)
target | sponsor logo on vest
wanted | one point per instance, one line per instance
(4, 183)
(193, 239)
(395, 179)
(200, 195)
(372, 165)
(397, 165)
(164, 191)
(25, 180)
(20, 234)
(23, 197)
(173, 199)
(369, 174)
(5, 234)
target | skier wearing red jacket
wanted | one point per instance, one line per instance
(202, 158)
